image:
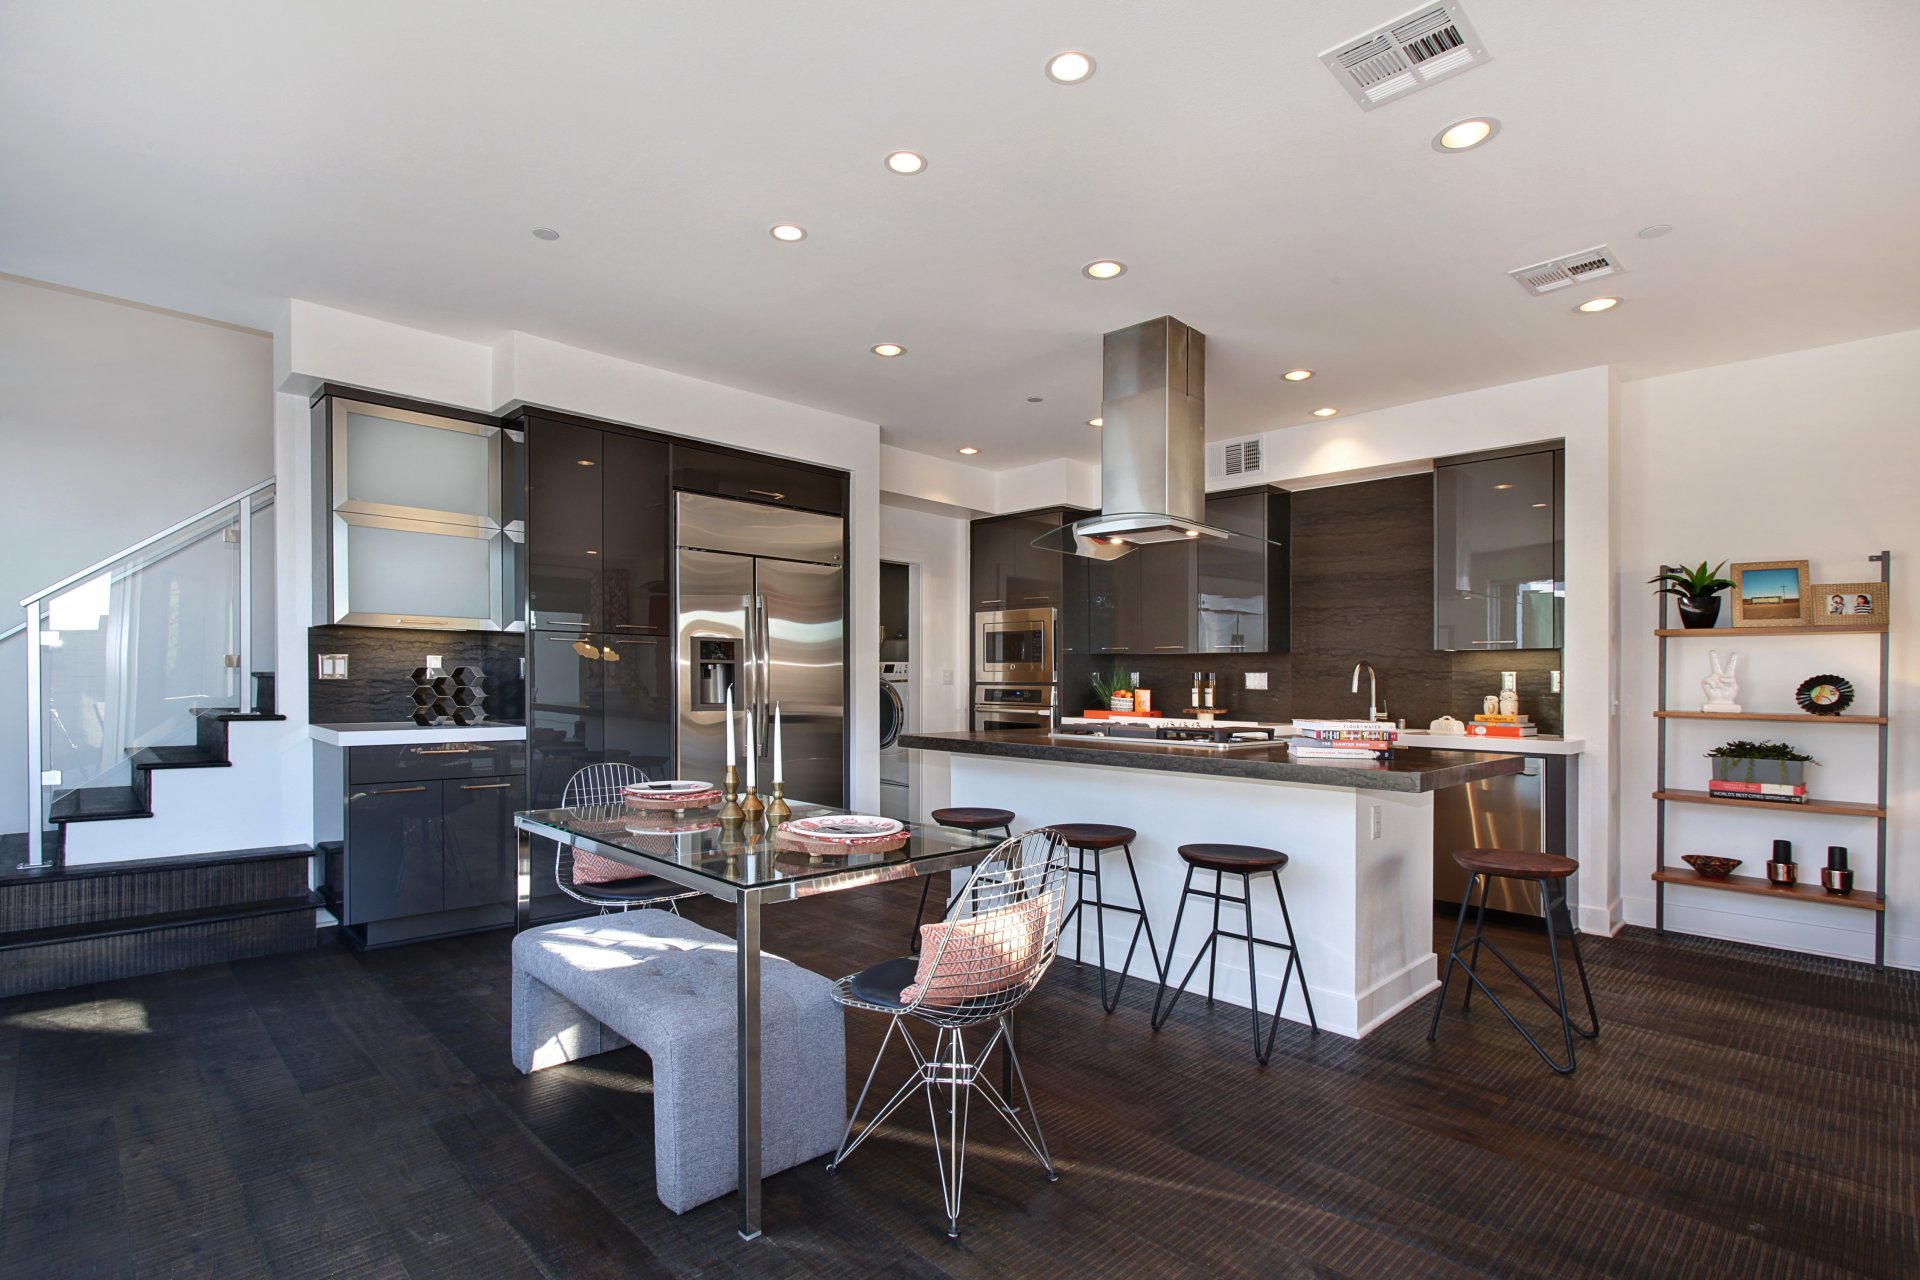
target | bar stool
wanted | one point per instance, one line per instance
(965, 819)
(1550, 871)
(1245, 861)
(1092, 839)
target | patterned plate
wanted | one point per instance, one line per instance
(849, 828)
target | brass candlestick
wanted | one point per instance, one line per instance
(752, 807)
(731, 812)
(778, 810)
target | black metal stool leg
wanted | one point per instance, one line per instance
(1453, 954)
(1560, 990)
(1253, 978)
(1143, 924)
(1179, 914)
(1294, 962)
(1100, 933)
(1219, 887)
(1479, 936)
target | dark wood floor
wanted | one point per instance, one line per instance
(1744, 1114)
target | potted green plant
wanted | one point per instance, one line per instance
(1698, 591)
(1115, 691)
(1773, 763)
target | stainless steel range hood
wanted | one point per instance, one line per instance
(1153, 447)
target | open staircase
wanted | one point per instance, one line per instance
(127, 663)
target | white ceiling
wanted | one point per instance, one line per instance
(217, 156)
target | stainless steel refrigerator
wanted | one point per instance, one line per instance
(761, 600)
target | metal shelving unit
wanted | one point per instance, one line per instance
(1665, 875)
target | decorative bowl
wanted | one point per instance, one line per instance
(1710, 866)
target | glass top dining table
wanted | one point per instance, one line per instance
(743, 864)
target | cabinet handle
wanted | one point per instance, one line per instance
(767, 493)
(482, 786)
(443, 751)
(634, 626)
(396, 791)
(639, 640)
(1169, 646)
(991, 601)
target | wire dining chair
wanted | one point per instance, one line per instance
(999, 936)
(600, 784)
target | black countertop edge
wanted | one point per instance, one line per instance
(1411, 769)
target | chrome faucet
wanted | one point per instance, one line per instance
(1376, 709)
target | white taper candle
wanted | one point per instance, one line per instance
(749, 751)
(779, 774)
(729, 724)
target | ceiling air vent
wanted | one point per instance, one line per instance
(1409, 53)
(1234, 459)
(1588, 264)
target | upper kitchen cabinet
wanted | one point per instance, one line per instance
(1008, 571)
(1202, 596)
(597, 528)
(752, 478)
(1499, 550)
(415, 526)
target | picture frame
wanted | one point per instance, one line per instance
(1861, 604)
(1771, 593)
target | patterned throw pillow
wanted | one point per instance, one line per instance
(983, 955)
(591, 868)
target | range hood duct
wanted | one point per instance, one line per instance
(1153, 446)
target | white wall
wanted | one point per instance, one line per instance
(118, 420)
(1578, 408)
(936, 545)
(1811, 455)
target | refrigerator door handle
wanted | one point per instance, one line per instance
(762, 643)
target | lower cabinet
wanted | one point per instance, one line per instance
(425, 843)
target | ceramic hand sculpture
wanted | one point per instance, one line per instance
(1720, 688)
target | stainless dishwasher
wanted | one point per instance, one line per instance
(1522, 811)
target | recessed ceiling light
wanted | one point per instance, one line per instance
(1655, 231)
(1297, 375)
(1104, 269)
(1324, 413)
(545, 233)
(1465, 135)
(1070, 67)
(1593, 306)
(1503, 486)
(1036, 399)
(968, 450)
(906, 163)
(788, 232)
(889, 349)
(1096, 422)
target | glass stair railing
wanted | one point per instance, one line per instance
(125, 656)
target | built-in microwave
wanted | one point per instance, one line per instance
(1000, 708)
(1014, 645)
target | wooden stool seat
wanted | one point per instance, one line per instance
(1232, 857)
(1093, 835)
(973, 819)
(1518, 864)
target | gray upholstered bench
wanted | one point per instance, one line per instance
(666, 985)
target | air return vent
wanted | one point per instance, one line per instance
(1234, 459)
(1409, 53)
(1588, 264)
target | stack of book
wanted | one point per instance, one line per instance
(1343, 739)
(1775, 792)
(1499, 726)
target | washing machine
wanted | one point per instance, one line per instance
(896, 790)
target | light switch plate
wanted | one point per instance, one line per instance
(333, 666)
(433, 662)
(1256, 679)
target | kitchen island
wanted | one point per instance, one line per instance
(1359, 836)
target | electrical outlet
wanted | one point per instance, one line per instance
(1553, 678)
(946, 675)
(433, 662)
(333, 666)
(1256, 679)
(1373, 812)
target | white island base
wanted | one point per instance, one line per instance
(1359, 879)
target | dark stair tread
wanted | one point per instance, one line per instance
(179, 757)
(99, 804)
(15, 846)
(164, 920)
(230, 715)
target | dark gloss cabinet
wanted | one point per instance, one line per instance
(1006, 571)
(421, 841)
(1499, 551)
(597, 528)
(752, 478)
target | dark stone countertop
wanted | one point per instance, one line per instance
(1414, 769)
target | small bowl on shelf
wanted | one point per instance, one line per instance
(1710, 866)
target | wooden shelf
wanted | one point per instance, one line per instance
(1847, 808)
(1741, 633)
(1762, 887)
(1777, 717)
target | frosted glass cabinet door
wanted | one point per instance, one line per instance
(389, 461)
(399, 572)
